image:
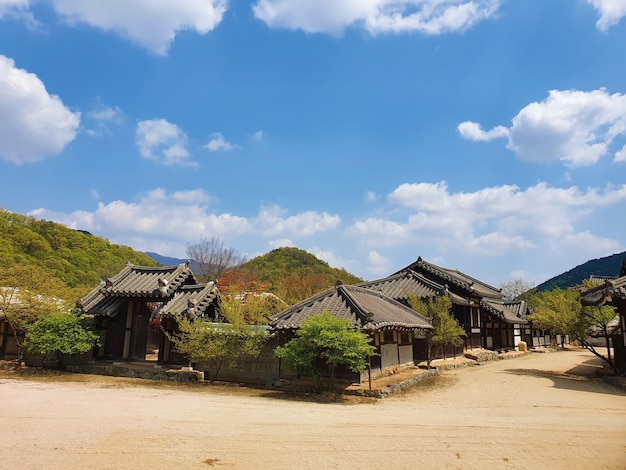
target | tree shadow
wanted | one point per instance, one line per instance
(585, 377)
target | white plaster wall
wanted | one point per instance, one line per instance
(388, 355)
(406, 354)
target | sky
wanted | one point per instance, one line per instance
(483, 135)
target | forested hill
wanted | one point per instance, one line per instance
(77, 258)
(295, 274)
(607, 266)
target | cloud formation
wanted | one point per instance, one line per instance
(376, 16)
(152, 25)
(218, 143)
(162, 141)
(10, 7)
(165, 222)
(611, 12)
(273, 221)
(33, 123)
(102, 116)
(572, 126)
(489, 222)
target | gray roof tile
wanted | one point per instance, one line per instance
(136, 281)
(605, 293)
(362, 307)
(398, 286)
(508, 312)
(456, 278)
(191, 301)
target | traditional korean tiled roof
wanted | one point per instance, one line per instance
(456, 278)
(400, 285)
(599, 279)
(363, 307)
(605, 293)
(508, 312)
(191, 301)
(136, 281)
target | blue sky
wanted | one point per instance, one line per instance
(484, 135)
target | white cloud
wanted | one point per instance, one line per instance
(280, 243)
(102, 116)
(371, 196)
(219, 143)
(157, 221)
(376, 16)
(472, 131)
(379, 266)
(620, 156)
(490, 222)
(106, 113)
(331, 258)
(611, 12)
(162, 141)
(573, 126)
(33, 123)
(13, 7)
(153, 24)
(165, 222)
(259, 136)
(271, 221)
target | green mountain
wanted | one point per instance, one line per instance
(76, 257)
(295, 274)
(607, 266)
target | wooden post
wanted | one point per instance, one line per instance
(369, 370)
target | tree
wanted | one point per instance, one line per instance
(213, 256)
(28, 293)
(600, 320)
(516, 289)
(219, 344)
(59, 334)
(559, 311)
(300, 286)
(446, 329)
(333, 340)
(237, 282)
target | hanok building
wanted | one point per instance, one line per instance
(612, 292)
(390, 324)
(489, 322)
(135, 306)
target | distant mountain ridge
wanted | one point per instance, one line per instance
(170, 261)
(607, 266)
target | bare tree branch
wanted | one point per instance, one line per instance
(213, 256)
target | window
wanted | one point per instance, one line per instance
(388, 336)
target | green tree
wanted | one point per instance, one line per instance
(28, 293)
(217, 344)
(333, 340)
(559, 311)
(446, 329)
(59, 334)
(600, 320)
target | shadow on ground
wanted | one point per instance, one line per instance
(585, 377)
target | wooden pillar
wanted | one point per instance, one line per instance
(128, 330)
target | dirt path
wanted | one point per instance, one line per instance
(538, 411)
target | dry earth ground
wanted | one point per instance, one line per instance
(533, 412)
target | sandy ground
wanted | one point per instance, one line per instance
(534, 412)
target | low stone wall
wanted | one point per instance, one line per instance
(139, 372)
(393, 388)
